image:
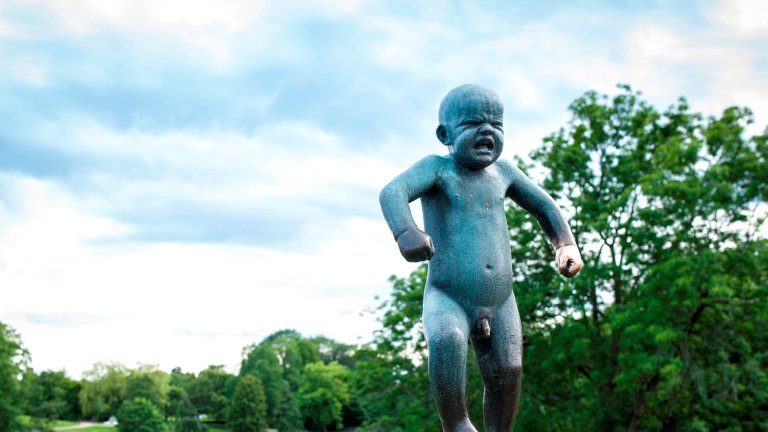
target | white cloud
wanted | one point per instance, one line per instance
(76, 302)
(745, 17)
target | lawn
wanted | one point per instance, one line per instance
(61, 423)
(97, 429)
(28, 421)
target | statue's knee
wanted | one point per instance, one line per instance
(447, 339)
(509, 366)
(512, 369)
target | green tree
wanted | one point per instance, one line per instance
(390, 379)
(293, 352)
(13, 361)
(334, 351)
(180, 378)
(288, 415)
(249, 406)
(103, 391)
(322, 395)
(179, 406)
(667, 328)
(262, 362)
(139, 415)
(148, 382)
(208, 392)
(50, 395)
(279, 362)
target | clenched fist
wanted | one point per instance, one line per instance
(415, 245)
(568, 260)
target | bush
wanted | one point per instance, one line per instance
(139, 415)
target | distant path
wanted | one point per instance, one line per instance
(81, 425)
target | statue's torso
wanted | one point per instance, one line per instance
(464, 215)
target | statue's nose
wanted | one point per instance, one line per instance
(485, 129)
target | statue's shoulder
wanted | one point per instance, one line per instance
(435, 163)
(507, 169)
(436, 160)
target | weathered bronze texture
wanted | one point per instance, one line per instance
(469, 295)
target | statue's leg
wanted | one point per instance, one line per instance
(501, 360)
(447, 331)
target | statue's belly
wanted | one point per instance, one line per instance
(473, 271)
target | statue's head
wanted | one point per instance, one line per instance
(471, 125)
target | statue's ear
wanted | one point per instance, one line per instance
(442, 134)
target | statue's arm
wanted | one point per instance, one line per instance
(415, 245)
(528, 195)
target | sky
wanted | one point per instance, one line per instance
(179, 179)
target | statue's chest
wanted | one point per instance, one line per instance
(474, 193)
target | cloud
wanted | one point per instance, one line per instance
(218, 187)
(112, 301)
(747, 18)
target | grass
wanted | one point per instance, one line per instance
(29, 421)
(61, 423)
(97, 429)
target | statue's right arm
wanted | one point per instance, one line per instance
(415, 245)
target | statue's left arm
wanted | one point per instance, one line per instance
(536, 201)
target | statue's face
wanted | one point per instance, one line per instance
(474, 131)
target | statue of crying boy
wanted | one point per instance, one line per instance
(468, 296)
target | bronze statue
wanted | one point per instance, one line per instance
(468, 296)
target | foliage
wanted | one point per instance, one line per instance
(179, 406)
(667, 327)
(103, 390)
(279, 361)
(139, 415)
(13, 361)
(50, 395)
(323, 393)
(390, 379)
(208, 392)
(180, 379)
(330, 350)
(249, 406)
(150, 383)
(288, 415)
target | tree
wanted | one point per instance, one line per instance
(148, 382)
(279, 362)
(180, 378)
(262, 362)
(104, 390)
(667, 328)
(288, 415)
(51, 395)
(323, 393)
(334, 351)
(249, 407)
(179, 406)
(208, 392)
(139, 415)
(390, 379)
(13, 360)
